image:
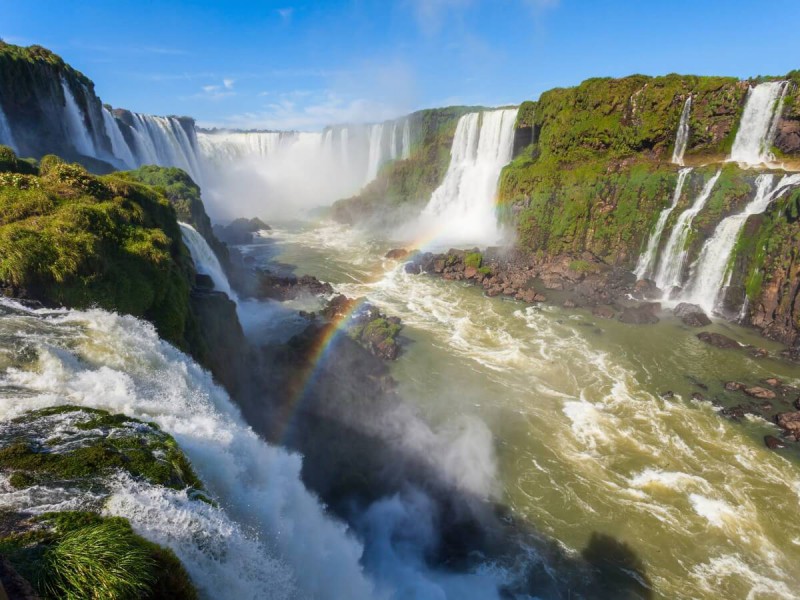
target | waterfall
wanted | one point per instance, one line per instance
(406, 140)
(221, 146)
(759, 121)
(345, 143)
(648, 258)
(76, 125)
(674, 254)
(711, 271)
(393, 142)
(375, 152)
(205, 261)
(6, 137)
(463, 205)
(266, 536)
(119, 146)
(682, 137)
(163, 141)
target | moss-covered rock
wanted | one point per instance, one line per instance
(90, 445)
(72, 239)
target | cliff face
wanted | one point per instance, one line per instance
(34, 84)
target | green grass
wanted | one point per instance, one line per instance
(84, 556)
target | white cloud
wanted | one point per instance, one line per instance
(285, 14)
(432, 14)
(228, 83)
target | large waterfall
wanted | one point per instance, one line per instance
(682, 137)
(75, 124)
(673, 257)
(267, 536)
(712, 268)
(205, 261)
(647, 260)
(462, 208)
(758, 123)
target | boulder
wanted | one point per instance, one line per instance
(773, 381)
(734, 386)
(691, 315)
(240, 231)
(773, 443)
(760, 393)
(718, 340)
(604, 312)
(790, 421)
(398, 254)
(645, 313)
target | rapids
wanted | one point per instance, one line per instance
(585, 442)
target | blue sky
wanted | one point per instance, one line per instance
(302, 64)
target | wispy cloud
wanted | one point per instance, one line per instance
(228, 83)
(432, 14)
(130, 49)
(285, 14)
(215, 91)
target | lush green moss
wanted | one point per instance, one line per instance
(79, 555)
(116, 442)
(70, 238)
(473, 259)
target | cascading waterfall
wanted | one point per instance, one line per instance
(163, 141)
(75, 124)
(463, 205)
(756, 130)
(647, 260)
(682, 137)
(393, 142)
(6, 137)
(711, 271)
(674, 255)
(205, 261)
(375, 152)
(119, 146)
(406, 140)
(267, 538)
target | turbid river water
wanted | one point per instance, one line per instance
(584, 441)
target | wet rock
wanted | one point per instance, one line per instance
(734, 386)
(240, 231)
(288, 288)
(773, 381)
(773, 443)
(398, 254)
(691, 315)
(569, 303)
(645, 288)
(718, 340)
(668, 395)
(641, 315)
(470, 272)
(760, 393)
(530, 296)
(604, 312)
(698, 396)
(790, 422)
(759, 352)
(203, 281)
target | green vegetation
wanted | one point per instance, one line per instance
(73, 239)
(405, 186)
(102, 444)
(473, 259)
(81, 555)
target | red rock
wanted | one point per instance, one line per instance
(760, 392)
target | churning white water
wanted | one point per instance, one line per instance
(75, 124)
(462, 208)
(205, 261)
(712, 266)
(682, 136)
(269, 538)
(758, 123)
(647, 260)
(670, 266)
